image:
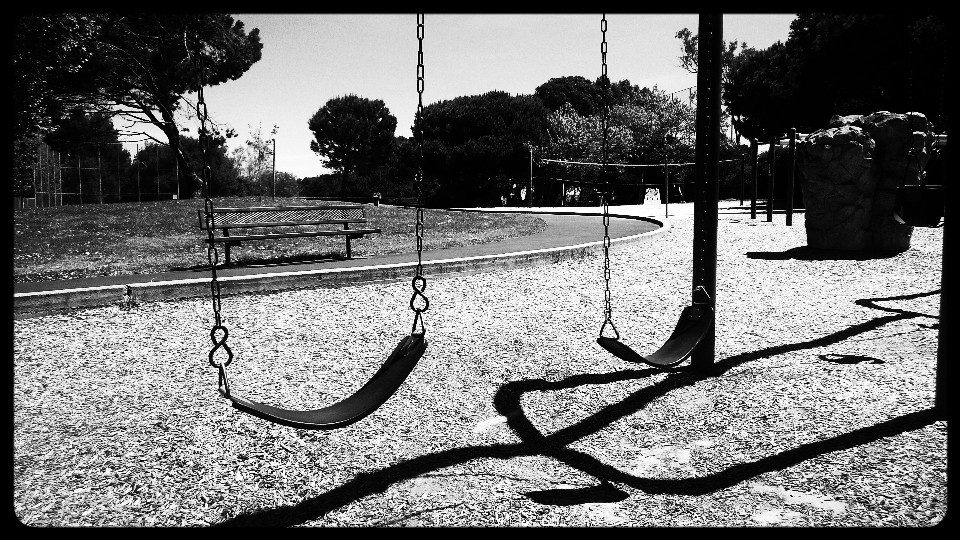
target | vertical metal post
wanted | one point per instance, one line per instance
(79, 179)
(755, 158)
(99, 174)
(666, 190)
(274, 169)
(176, 169)
(940, 392)
(792, 161)
(742, 177)
(530, 185)
(773, 162)
(40, 168)
(137, 161)
(707, 185)
(59, 173)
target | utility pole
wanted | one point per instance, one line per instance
(274, 169)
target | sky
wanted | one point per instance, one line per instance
(308, 59)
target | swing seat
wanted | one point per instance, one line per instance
(695, 322)
(367, 399)
(920, 206)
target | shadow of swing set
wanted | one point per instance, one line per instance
(693, 337)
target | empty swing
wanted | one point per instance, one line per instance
(696, 320)
(398, 365)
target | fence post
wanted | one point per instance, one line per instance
(773, 162)
(792, 157)
(99, 174)
(742, 176)
(755, 155)
(666, 190)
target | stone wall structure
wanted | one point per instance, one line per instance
(849, 174)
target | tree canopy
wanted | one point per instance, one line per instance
(835, 64)
(353, 134)
(136, 65)
(477, 147)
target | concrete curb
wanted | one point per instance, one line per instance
(31, 304)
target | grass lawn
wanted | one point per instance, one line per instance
(78, 241)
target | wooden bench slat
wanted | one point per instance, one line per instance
(268, 236)
(283, 208)
(253, 225)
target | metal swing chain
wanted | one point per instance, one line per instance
(605, 196)
(419, 283)
(213, 256)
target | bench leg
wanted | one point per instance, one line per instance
(226, 253)
(349, 255)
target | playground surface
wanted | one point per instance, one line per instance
(819, 415)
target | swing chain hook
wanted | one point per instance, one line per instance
(213, 257)
(419, 283)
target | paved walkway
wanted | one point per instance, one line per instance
(569, 231)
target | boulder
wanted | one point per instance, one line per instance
(849, 174)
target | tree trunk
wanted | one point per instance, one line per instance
(172, 131)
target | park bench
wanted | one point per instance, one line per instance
(273, 222)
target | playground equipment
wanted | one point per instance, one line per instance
(922, 204)
(399, 363)
(693, 337)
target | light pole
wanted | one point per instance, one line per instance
(274, 140)
(530, 184)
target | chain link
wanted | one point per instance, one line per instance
(605, 195)
(218, 332)
(419, 283)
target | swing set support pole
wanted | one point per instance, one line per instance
(705, 213)
(773, 163)
(791, 172)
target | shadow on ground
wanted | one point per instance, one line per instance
(507, 402)
(259, 262)
(807, 253)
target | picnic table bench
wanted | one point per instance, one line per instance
(285, 222)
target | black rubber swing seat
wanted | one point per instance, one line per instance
(695, 323)
(353, 408)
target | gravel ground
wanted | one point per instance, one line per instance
(820, 415)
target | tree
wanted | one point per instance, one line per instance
(835, 64)
(353, 134)
(254, 162)
(862, 63)
(136, 66)
(649, 128)
(475, 147)
(758, 91)
(583, 95)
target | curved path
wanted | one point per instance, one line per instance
(569, 232)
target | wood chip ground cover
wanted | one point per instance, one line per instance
(514, 416)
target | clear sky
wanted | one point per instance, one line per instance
(311, 58)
